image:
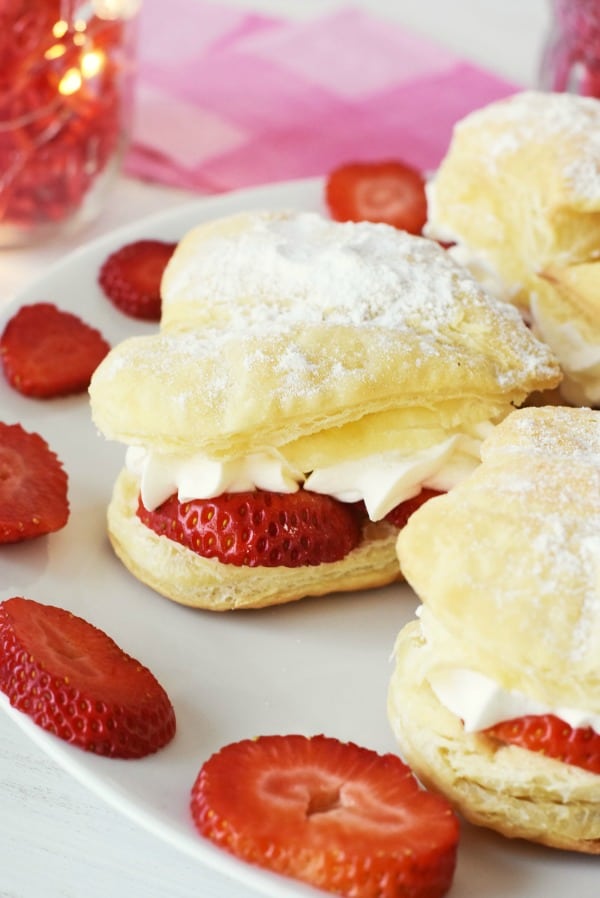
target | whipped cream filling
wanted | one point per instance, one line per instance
(579, 359)
(480, 702)
(382, 481)
(200, 477)
(483, 272)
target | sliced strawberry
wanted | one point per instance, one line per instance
(74, 681)
(332, 814)
(552, 737)
(388, 192)
(33, 486)
(47, 352)
(131, 276)
(399, 515)
(259, 528)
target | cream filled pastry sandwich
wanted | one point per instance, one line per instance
(518, 192)
(495, 695)
(311, 383)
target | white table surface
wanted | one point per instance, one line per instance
(57, 840)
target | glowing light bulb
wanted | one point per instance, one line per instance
(116, 9)
(70, 82)
(60, 28)
(55, 51)
(92, 63)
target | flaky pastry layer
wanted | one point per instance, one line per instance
(520, 183)
(189, 579)
(330, 332)
(516, 792)
(508, 562)
(519, 190)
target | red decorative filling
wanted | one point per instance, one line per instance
(553, 737)
(266, 529)
(61, 109)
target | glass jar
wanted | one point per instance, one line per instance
(571, 58)
(66, 82)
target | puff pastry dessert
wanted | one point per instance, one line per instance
(495, 695)
(348, 367)
(519, 193)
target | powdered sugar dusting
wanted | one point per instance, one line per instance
(557, 432)
(285, 271)
(556, 484)
(293, 320)
(556, 120)
(305, 268)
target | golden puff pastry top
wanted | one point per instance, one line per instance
(333, 324)
(508, 563)
(520, 183)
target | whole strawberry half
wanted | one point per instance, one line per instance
(390, 192)
(553, 737)
(131, 276)
(74, 681)
(259, 528)
(47, 352)
(335, 815)
(33, 486)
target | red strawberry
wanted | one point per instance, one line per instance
(33, 486)
(259, 528)
(552, 737)
(75, 682)
(131, 277)
(47, 352)
(389, 192)
(332, 814)
(399, 515)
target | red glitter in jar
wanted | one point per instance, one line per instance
(571, 59)
(65, 105)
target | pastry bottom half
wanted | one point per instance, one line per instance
(185, 577)
(518, 793)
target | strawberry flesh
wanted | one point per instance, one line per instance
(259, 528)
(74, 681)
(554, 738)
(131, 276)
(334, 815)
(47, 352)
(33, 486)
(399, 515)
(389, 192)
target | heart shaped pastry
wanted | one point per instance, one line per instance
(309, 379)
(495, 696)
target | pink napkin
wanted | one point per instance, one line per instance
(227, 99)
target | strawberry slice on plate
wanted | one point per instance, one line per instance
(47, 352)
(33, 486)
(332, 814)
(131, 276)
(74, 681)
(553, 737)
(389, 192)
(259, 528)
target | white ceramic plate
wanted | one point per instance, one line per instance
(314, 666)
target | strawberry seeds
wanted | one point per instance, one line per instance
(333, 814)
(74, 681)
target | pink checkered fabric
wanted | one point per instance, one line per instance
(227, 99)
